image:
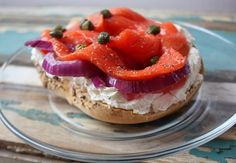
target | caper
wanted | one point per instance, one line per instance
(106, 13)
(154, 60)
(56, 34)
(103, 38)
(57, 31)
(86, 25)
(82, 21)
(153, 29)
(80, 46)
(59, 28)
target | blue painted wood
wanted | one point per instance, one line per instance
(231, 36)
(10, 41)
(220, 150)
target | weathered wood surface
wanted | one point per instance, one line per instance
(13, 147)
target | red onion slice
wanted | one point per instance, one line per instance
(75, 68)
(98, 82)
(151, 85)
(40, 44)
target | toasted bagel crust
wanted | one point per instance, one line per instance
(79, 97)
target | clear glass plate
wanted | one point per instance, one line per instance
(48, 123)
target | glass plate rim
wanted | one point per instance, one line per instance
(120, 157)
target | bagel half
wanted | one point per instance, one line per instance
(79, 97)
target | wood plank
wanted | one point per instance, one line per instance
(220, 85)
(7, 156)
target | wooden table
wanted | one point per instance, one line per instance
(19, 25)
